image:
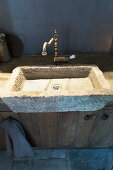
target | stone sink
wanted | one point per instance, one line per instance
(57, 89)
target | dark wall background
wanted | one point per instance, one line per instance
(82, 25)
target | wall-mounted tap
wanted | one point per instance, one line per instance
(55, 38)
(57, 59)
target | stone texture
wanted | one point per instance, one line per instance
(61, 100)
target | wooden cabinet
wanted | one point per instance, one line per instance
(74, 128)
(67, 125)
(102, 130)
(66, 129)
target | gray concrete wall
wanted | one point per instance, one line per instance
(82, 25)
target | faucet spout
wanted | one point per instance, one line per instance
(44, 49)
(44, 52)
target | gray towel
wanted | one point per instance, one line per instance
(15, 139)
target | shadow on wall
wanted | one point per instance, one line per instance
(111, 48)
(14, 43)
(6, 22)
(83, 26)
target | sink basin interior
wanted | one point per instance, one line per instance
(57, 84)
(48, 81)
(56, 78)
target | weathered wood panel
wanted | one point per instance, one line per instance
(3, 116)
(2, 140)
(67, 129)
(40, 128)
(2, 135)
(30, 125)
(4, 107)
(109, 106)
(84, 127)
(48, 129)
(102, 131)
(67, 124)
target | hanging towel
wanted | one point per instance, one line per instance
(15, 139)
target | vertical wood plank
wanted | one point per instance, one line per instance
(67, 123)
(83, 129)
(29, 122)
(2, 136)
(48, 129)
(2, 140)
(73, 130)
(4, 107)
(102, 131)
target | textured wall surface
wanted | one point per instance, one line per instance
(82, 25)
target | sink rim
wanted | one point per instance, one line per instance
(62, 101)
(18, 73)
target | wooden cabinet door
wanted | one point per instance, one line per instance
(74, 128)
(102, 131)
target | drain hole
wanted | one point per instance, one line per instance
(56, 87)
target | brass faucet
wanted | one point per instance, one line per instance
(55, 38)
(57, 59)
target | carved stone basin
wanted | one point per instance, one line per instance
(57, 89)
